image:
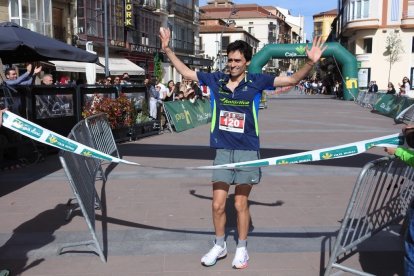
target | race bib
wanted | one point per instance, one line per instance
(232, 121)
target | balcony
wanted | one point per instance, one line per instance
(162, 7)
(149, 4)
(360, 24)
(407, 20)
(183, 12)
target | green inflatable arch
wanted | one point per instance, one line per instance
(345, 59)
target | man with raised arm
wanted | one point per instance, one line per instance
(235, 98)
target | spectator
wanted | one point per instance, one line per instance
(25, 79)
(407, 156)
(235, 140)
(64, 79)
(180, 96)
(171, 89)
(391, 89)
(117, 81)
(373, 87)
(163, 90)
(126, 79)
(153, 97)
(405, 87)
(47, 79)
(108, 81)
(205, 90)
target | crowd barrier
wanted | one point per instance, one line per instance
(406, 116)
(386, 104)
(381, 197)
(83, 172)
(183, 115)
(82, 182)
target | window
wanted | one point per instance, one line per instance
(34, 15)
(357, 9)
(412, 44)
(225, 41)
(395, 10)
(368, 45)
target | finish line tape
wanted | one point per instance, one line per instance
(40, 134)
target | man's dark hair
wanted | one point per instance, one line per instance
(242, 47)
(7, 72)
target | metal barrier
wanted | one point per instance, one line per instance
(360, 97)
(101, 134)
(406, 116)
(96, 133)
(369, 100)
(82, 182)
(381, 197)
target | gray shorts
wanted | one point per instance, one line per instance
(249, 175)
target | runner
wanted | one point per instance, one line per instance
(236, 137)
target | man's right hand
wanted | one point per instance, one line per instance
(165, 37)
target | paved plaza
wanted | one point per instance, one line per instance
(158, 221)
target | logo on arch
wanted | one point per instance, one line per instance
(301, 50)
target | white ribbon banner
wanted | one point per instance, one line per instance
(40, 134)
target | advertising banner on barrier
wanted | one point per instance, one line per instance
(391, 105)
(186, 115)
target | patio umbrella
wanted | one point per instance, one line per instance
(18, 44)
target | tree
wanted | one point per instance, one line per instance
(393, 50)
(158, 72)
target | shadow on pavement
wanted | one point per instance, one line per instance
(31, 235)
(16, 179)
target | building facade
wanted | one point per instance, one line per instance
(322, 23)
(132, 27)
(365, 28)
(266, 24)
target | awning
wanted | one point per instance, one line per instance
(117, 66)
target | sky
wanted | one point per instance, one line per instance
(306, 8)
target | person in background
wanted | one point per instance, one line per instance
(47, 79)
(25, 79)
(407, 156)
(373, 87)
(236, 138)
(126, 79)
(391, 89)
(171, 89)
(64, 80)
(405, 87)
(153, 97)
(108, 81)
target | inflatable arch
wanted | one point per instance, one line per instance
(344, 58)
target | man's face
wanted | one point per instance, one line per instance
(236, 63)
(47, 80)
(12, 75)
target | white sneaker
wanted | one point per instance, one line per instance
(215, 253)
(240, 258)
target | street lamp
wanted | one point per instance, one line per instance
(233, 11)
(106, 37)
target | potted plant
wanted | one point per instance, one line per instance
(121, 114)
